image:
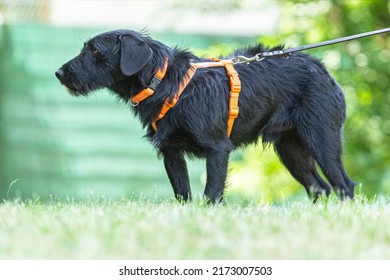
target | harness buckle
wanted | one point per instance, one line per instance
(154, 83)
(233, 112)
(235, 86)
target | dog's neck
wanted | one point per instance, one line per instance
(126, 87)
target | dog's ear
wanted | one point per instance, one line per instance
(135, 53)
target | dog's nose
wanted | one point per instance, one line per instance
(59, 74)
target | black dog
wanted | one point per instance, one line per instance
(291, 102)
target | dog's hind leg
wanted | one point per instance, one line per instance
(176, 168)
(325, 145)
(217, 159)
(301, 164)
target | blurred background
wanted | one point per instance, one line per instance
(56, 146)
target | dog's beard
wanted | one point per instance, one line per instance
(74, 92)
(77, 90)
(82, 88)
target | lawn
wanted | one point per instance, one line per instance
(139, 229)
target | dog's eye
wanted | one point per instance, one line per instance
(94, 50)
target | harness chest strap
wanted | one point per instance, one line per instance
(168, 104)
(235, 89)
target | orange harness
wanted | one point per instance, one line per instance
(235, 89)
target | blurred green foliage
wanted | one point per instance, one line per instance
(362, 69)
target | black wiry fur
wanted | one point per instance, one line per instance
(291, 102)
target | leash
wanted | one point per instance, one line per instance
(288, 52)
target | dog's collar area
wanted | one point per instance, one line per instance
(149, 91)
(154, 83)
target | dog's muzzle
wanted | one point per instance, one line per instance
(59, 74)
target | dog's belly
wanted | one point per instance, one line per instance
(181, 141)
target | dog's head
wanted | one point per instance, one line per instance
(104, 61)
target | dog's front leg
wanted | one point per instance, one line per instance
(176, 168)
(216, 164)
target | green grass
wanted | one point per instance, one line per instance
(130, 229)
